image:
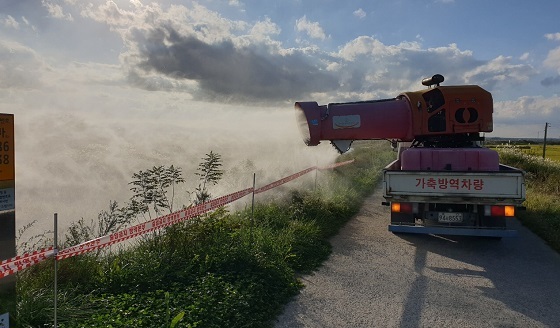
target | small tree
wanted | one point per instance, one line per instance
(150, 190)
(209, 173)
(78, 232)
(112, 220)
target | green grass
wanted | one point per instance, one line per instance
(543, 194)
(221, 270)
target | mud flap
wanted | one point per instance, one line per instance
(402, 218)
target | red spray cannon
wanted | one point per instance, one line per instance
(440, 116)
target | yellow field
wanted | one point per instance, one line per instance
(552, 151)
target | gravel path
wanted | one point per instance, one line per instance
(377, 279)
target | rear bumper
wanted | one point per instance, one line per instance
(457, 231)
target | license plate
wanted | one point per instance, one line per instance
(450, 217)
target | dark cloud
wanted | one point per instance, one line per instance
(222, 69)
(551, 81)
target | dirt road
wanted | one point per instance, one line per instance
(377, 279)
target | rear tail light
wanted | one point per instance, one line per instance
(509, 210)
(500, 210)
(401, 207)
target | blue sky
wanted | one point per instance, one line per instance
(101, 88)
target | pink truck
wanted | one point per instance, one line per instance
(443, 181)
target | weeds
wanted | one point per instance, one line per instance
(543, 193)
(34, 242)
(219, 270)
(543, 173)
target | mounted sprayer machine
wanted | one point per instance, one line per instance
(443, 181)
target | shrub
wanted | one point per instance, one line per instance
(219, 270)
(543, 191)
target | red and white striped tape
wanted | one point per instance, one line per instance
(20, 262)
(297, 175)
(329, 167)
(152, 225)
(284, 180)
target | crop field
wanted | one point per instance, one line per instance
(552, 151)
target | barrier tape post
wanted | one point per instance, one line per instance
(316, 170)
(55, 245)
(252, 210)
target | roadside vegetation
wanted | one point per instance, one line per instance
(531, 148)
(543, 192)
(223, 269)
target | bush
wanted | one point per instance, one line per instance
(543, 193)
(219, 270)
(543, 173)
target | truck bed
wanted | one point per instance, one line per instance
(505, 186)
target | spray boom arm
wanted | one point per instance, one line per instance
(439, 115)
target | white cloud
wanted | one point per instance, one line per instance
(263, 29)
(135, 3)
(20, 66)
(197, 51)
(28, 24)
(110, 14)
(367, 46)
(56, 11)
(525, 56)
(360, 13)
(500, 71)
(10, 22)
(369, 68)
(553, 36)
(527, 110)
(312, 29)
(553, 59)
